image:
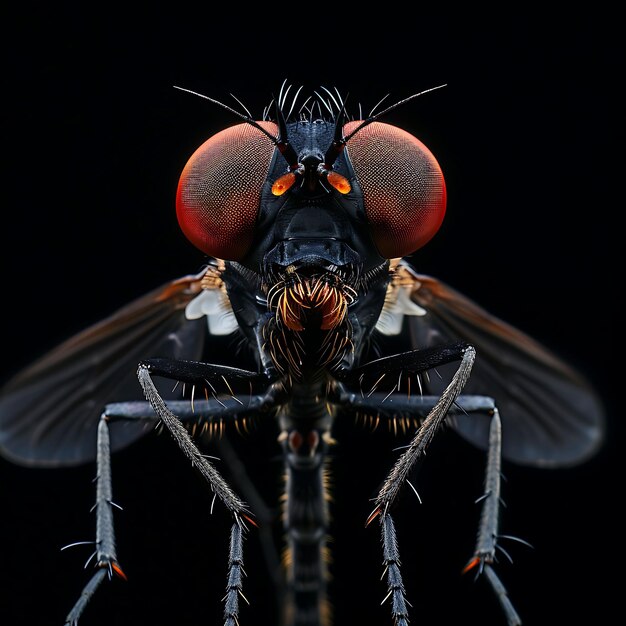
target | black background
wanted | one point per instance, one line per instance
(528, 135)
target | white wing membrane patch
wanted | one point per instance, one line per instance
(398, 303)
(215, 305)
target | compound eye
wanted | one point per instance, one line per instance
(404, 192)
(219, 191)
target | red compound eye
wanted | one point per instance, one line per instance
(403, 188)
(220, 189)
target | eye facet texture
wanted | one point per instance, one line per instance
(220, 188)
(403, 187)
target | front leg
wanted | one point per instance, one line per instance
(399, 475)
(152, 411)
(106, 557)
(220, 487)
(449, 402)
(486, 541)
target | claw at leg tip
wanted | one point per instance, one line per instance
(471, 564)
(119, 571)
(250, 519)
(373, 515)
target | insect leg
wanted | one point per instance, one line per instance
(376, 406)
(398, 475)
(486, 542)
(106, 557)
(220, 487)
(425, 433)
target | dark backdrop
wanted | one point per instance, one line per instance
(530, 141)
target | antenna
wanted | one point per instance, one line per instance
(245, 118)
(373, 118)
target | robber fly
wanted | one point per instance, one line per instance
(306, 217)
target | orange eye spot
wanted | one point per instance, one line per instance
(283, 183)
(339, 182)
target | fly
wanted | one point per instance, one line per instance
(306, 218)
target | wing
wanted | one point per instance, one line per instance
(551, 416)
(49, 412)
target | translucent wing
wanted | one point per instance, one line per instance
(551, 416)
(49, 412)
